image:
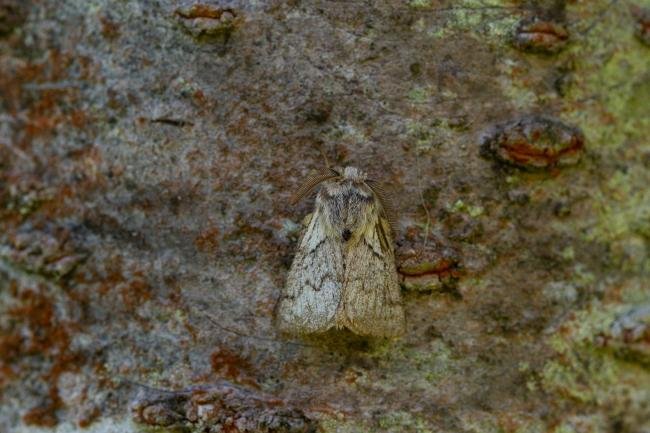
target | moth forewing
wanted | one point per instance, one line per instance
(313, 289)
(371, 303)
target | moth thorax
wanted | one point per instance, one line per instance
(353, 173)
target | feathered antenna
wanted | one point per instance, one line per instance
(386, 200)
(324, 155)
(312, 182)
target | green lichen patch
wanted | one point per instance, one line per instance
(585, 372)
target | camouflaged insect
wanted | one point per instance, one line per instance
(343, 274)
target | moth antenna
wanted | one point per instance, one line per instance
(324, 155)
(312, 182)
(387, 203)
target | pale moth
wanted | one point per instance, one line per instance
(343, 274)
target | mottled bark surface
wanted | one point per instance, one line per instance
(147, 153)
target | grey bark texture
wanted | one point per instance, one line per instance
(148, 151)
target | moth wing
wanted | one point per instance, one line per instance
(371, 303)
(313, 290)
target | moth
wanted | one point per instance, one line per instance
(343, 274)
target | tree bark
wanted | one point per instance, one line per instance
(148, 151)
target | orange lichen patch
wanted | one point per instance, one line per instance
(133, 290)
(88, 417)
(202, 20)
(88, 69)
(37, 311)
(88, 163)
(199, 98)
(45, 93)
(208, 240)
(46, 115)
(107, 280)
(442, 267)
(229, 365)
(10, 351)
(523, 153)
(31, 191)
(415, 256)
(58, 64)
(42, 416)
(37, 331)
(136, 292)
(426, 264)
(535, 142)
(78, 119)
(540, 36)
(109, 28)
(198, 162)
(250, 238)
(225, 170)
(126, 286)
